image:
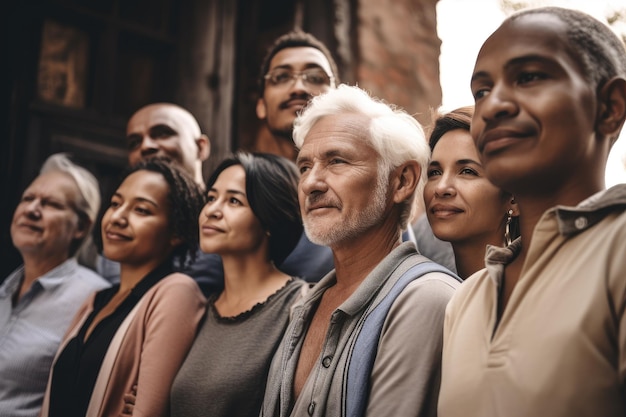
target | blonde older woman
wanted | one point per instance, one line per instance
(38, 300)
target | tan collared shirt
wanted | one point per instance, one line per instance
(560, 347)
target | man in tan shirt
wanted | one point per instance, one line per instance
(542, 331)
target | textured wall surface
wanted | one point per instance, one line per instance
(399, 53)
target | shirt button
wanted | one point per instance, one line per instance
(311, 408)
(326, 361)
(580, 223)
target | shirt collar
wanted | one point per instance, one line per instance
(572, 220)
(47, 281)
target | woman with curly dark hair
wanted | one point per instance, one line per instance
(137, 333)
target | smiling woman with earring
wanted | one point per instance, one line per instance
(463, 207)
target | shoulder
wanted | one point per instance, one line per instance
(432, 290)
(174, 287)
(91, 278)
(468, 292)
(298, 289)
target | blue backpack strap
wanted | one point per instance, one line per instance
(366, 344)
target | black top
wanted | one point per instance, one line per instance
(77, 367)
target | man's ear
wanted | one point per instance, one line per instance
(405, 181)
(261, 109)
(204, 147)
(612, 107)
(83, 226)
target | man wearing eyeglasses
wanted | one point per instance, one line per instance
(296, 68)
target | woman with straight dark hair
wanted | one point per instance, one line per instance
(252, 220)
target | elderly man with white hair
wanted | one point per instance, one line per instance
(39, 299)
(367, 339)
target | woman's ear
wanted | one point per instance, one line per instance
(406, 181)
(611, 108)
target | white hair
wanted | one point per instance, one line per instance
(88, 201)
(394, 134)
(85, 181)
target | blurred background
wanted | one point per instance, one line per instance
(75, 70)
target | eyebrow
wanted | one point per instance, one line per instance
(326, 155)
(517, 62)
(139, 199)
(458, 162)
(237, 192)
(151, 129)
(307, 65)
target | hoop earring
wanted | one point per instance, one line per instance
(507, 228)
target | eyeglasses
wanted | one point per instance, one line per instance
(312, 76)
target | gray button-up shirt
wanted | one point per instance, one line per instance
(406, 371)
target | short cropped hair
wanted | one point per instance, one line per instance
(600, 51)
(272, 191)
(294, 39)
(460, 118)
(88, 201)
(186, 198)
(394, 134)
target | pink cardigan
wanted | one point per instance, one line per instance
(158, 337)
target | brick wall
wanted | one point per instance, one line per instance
(398, 52)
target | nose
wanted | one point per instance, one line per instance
(149, 146)
(498, 104)
(313, 181)
(118, 216)
(298, 86)
(213, 209)
(33, 208)
(445, 187)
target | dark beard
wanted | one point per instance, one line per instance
(285, 134)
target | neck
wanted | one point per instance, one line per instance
(248, 280)
(355, 259)
(532, 206)
(246, 275)
(198, 177)
(470, 257)
(278, 144)
(131, 275)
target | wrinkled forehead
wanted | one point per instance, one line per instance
(57, 184)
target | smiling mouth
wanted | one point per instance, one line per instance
(447, 212)
(318, 207)
(30, 227)
(211, 230)
(112, 236)
(498, 139)
(295, 102)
